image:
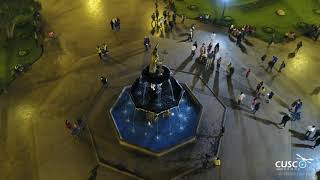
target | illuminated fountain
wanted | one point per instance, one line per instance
(156, 114)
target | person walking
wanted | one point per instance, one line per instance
(310, 130)
(248, 73)
(241, 97)
(299, 45)
(317, 143)
(68, 125)
(282, 65)
(216, 48)
(269, 96)
(256, 108)
(284, 120)
(99, 52)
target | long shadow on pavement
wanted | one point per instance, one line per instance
(264, 121)
(183, 64)
(297, 134)
(302, 145)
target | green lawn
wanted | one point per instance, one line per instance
(9, 53)
(260, 14)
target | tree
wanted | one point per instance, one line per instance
(13, 12)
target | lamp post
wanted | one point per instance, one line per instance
(224, 8)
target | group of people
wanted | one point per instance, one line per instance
(168, 19)
(240, 33)
(102, 50)
(115, 24)
(259, 93)
(206, 52)
(75, 128)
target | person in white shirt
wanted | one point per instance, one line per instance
(241, 97)
(310, 130)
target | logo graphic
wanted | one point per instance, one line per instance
(301, 163)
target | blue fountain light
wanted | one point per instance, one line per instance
(162, 135)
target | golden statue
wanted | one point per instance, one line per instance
(154, 60)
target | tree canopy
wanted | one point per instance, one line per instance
(13, 12)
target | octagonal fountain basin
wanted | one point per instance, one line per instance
(164, 132)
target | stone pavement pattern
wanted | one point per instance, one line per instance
(62, 85)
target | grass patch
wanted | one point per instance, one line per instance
(259, 13)
(9, 52)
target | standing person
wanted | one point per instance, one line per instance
(231, 71)
(218, 64)
(174, 17)
(256, 108)
(195, 44)
(104, 81)
(299, 45)
(99, 52)
(146, 43)
(171, 25)
(254, 101)
(263, 57)
(241, 97)
(228, 69)
(284, 120)
(316, 135)
(248, 73)
(118, 23)
(270, 42)
(282, 65)
(209, 47)
(112, 24)
(270, 66)
(183, 17)
(68, 124)
(193, 50)
(310, 130)
(153, 17)
(298, 107)
(269, 96)
(259, 86)
(216, 48)
(212, 37)
(294, 104)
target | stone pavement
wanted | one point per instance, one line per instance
(62, 85)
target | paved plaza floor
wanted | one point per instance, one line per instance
(64, 84)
